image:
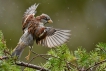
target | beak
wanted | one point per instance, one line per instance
(50, 21)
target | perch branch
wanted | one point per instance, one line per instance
(31, 66)
(3, 57)
(25, 64)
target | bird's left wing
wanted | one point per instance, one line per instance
(29, 14)
(55, 37)
(31, 11)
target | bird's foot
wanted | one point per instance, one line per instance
(28, 56)
(1, 57)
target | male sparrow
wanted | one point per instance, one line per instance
(34, 30)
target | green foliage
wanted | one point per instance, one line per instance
(59, 57)
(8, 64)
(2, 43)
(62, 59)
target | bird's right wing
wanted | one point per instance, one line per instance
(55, 37)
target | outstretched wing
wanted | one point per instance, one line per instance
(28, 15)
(54, 37)
(31, 10)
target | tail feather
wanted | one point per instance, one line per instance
(25, 40)
(18, 50)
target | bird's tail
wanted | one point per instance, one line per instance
(25, 40)
(18, 50)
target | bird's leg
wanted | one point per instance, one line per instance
(27, 57)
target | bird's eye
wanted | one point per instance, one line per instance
(45, 18)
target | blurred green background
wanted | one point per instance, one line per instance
(85, 18)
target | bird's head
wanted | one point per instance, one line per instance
(45, 19)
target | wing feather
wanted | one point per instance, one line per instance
(56, 41)
(53, 43)
(62, 40)
(63, 32)
(31, 10)
(48, 42)
(55, 37)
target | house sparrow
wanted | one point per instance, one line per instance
(34, 30)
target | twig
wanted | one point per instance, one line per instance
(39, 54)
(30, 61)
(31, 66)
(3, 57)
(95, 65)
(68, 66)
(7, 52)
(74, 65)
(103, 50)
(42, 55)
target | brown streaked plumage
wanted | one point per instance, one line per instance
(29, 16)
(34, 30)
(25, 21)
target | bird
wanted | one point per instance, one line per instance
(34, 30)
